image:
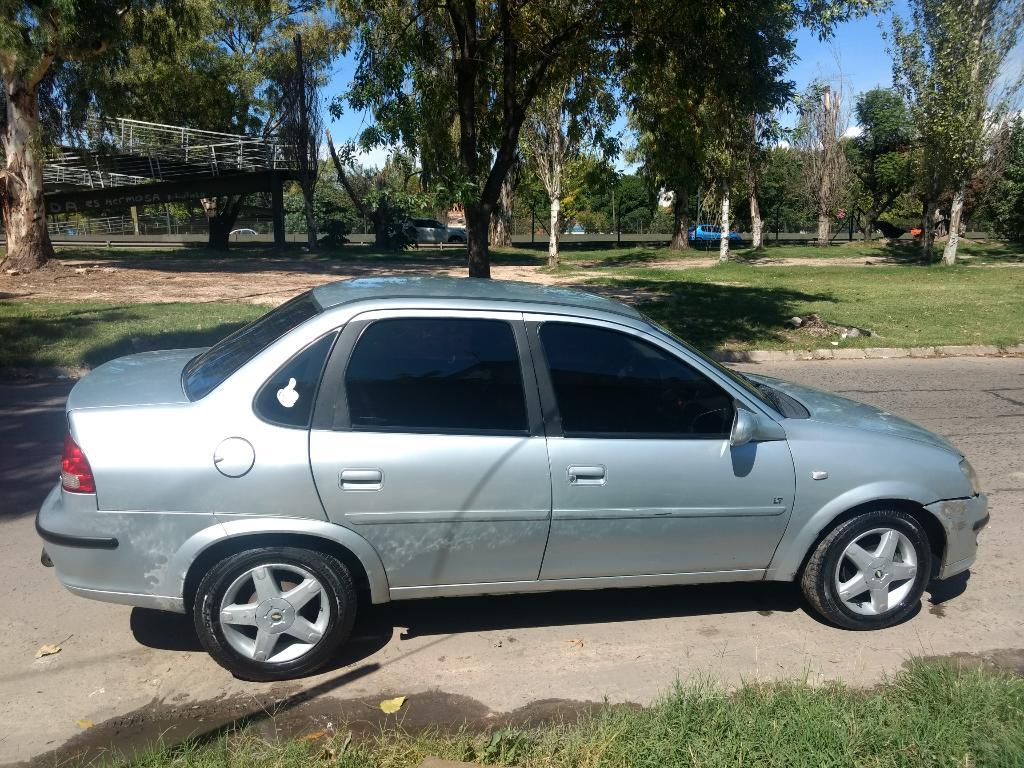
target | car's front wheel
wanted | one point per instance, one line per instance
(275, 613)
(870, 571)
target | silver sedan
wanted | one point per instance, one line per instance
(396, 438)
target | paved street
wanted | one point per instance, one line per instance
(134, 674)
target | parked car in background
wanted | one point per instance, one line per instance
(575, 229)
(393, 438)
(433, 232)
(244, 231)
(710, 233)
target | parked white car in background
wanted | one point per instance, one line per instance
(428, 231)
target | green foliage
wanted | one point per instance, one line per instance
(779, 191)
(1006, 198)
(881, 157)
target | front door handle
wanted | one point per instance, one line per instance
(587, 475)
(361, 479)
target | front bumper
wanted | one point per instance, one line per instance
(962, 520)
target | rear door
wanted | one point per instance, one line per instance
(428, 441)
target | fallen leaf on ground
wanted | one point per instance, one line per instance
(314, 736)
(576, 642)
(390, 706)
(84, 723)
(47, 650)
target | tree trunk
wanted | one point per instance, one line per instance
(756, 225)
(478, 216)
(824, 225)
(870, 219)
(955, 211)
(680, 221)
(928, 231)
(723, 242)
(221, 215)
(21, 182)
(555, 231)
(307, 199)
(501, 219)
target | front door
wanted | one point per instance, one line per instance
(644, 481)
(436, 453)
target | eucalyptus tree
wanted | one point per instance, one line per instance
(38, 38)
(947, 63)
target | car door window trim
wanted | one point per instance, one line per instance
(332, 410)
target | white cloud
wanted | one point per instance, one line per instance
(853, 132)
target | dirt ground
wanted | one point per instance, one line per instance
(272, 280)
(267, 280)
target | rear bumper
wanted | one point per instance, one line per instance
(962, 520)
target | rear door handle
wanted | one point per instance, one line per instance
(361, 479)
(587, 475)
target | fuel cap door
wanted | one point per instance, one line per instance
(234, 457)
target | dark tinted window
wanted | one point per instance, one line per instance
(442, 375)
(287, 397)
(611, 383)
(204, 372)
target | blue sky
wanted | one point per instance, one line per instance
(856, 53)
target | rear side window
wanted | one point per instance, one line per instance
(613, 384)
(436, 375)
(207, 371)
(287, 397)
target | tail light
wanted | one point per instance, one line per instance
(75, 472)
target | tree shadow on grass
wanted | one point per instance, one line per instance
(30, 339)
(712, 315)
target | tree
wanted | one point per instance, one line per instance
(302, 129)
(560, 121)
(499, 56)
(37, 37)
(880, 157)
(1007, 192)
(381, 196)
(780, 189)
(820, 138)
(226, 72)
(947, 63)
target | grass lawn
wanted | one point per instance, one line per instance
(42, 333)
(739, 306)
(732, 306)
(928, 715)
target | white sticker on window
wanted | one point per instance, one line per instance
(287, 396)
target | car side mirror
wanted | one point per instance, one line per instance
(744, 427)
(748, 427)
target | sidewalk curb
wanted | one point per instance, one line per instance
(61, 372)
(864, 353)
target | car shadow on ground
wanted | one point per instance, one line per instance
(376, 625)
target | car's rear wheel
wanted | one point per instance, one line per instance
(275, 613)
(870, 571)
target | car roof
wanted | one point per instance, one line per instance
(445, 289)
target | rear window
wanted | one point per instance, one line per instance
(207, 371)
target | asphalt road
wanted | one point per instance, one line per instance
(135, 675)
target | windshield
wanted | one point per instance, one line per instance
(206, 371)
(749, 386)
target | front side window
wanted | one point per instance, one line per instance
(613, 384)
(287, 397)
(208, 370)
(436, 375)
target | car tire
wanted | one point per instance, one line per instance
(301, 628)
(859, 549)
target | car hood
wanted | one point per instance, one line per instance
(148, 378)
(842, 411)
